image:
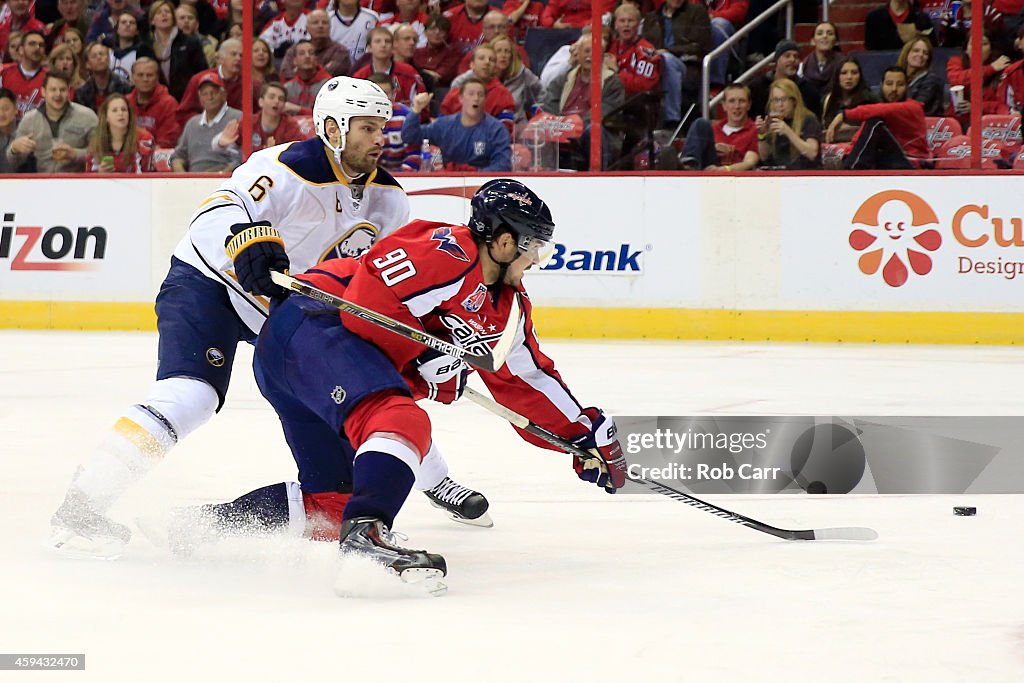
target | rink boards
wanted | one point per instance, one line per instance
(937, 259)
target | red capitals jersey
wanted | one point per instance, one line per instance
(428, 275)
(466, 32)
(639, 65)
(29, 91)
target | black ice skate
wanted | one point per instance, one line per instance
(78, 530)
(462, 504)
(370, 538)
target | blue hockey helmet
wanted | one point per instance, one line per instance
(508, 204)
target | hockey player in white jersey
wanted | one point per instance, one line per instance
(289, 206)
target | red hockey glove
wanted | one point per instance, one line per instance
(256, 249)
(445, 376)
(608, 468)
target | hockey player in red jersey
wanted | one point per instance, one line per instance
(289, 206)
(345, 389)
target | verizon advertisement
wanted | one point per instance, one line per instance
(62, 238)
(940, 244)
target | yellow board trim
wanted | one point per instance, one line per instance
(77, 315)
(624, 323)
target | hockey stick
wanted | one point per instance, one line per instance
(854, 533)
(488, 362)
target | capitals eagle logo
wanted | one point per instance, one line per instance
(447, 243)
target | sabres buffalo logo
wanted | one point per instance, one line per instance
(353, 243)
(447, 243)
(215, 357)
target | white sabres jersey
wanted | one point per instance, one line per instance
(352, 33)
(299, 189)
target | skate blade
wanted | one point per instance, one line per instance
(360, 577)
(70, 544)
(429, 581)
(483, 521)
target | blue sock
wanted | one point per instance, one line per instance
(265, 508)
(381, 483)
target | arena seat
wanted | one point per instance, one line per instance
(1002, 128)
(953, 153)
(162, 159)
(941, 129)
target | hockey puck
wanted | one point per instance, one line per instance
(965, 511)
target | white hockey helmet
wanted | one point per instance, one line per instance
(340, 99)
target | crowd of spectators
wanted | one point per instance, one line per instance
(142, 85)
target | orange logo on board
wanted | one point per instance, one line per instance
(894, 227)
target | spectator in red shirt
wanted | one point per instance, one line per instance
(332, 56)
(309, 78)
(273, 126)
(523, 15)
(499, 102)
(566, 14)
(119, 145)
(229, 69)
(958, 72)
(25, 77)
(893, 133)
(467, 24)
(438, 59)
(154, 106)
(20, 19)
(404, 77)
(728, 145)
(638, 62)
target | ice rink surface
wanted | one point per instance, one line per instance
(570, 584)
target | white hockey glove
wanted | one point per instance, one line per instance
(445, 376)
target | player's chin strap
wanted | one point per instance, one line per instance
(502, 265)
